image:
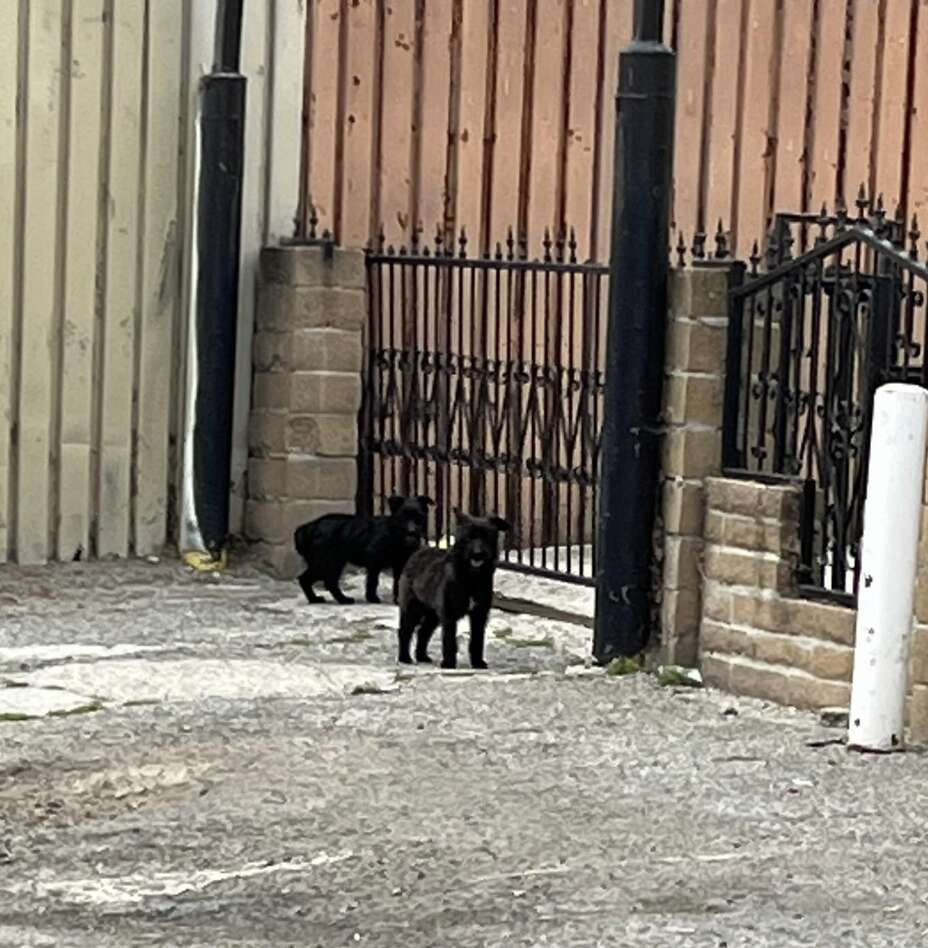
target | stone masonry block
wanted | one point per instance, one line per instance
(717, 602)
(696, 347)
(326, 435)
(680, 614)
(785, 686)
(328, 393)
(692, 452)
(267, 520)
(699, 291)
(693, 398)
(921, 589)
(727, 495)
(271, 390)
(717, 638)
(322, 478)
(814, 620)
(683, 507)
(682, 563)
(270, 351)
(830, 661)
(307, 266)
(280, 558)
(267, 433)
(918, 714)
(267, 478)
(326, 350)
(732, 567)
(716, 671)
(681, 650)
(920, 654)
(284, 308)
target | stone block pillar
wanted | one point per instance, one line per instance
(693, 398)
(303, 431)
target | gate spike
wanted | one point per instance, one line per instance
(914, 235)
(699, 245)
(523, 246)
(439, 241)
(462, 244)
(721, 242)
(879, 217)
(559, 245)
(773, 250)
(755, 257)
(414, 239)
(786, 244)
(572, 245)
(510, 243)
(546, 246)
(822, 226)
(863, 203)
(681, 250)
(313, 220)
(840, 215)
(381, 238)
(499, 250)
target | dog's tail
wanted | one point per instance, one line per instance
(301, 537)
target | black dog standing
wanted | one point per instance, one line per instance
(440, 587)
(331, 542)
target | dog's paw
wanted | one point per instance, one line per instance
(345, 601)
(373, 600)
(423, 660)
(449, 663)
(478, 664)
(405, 660)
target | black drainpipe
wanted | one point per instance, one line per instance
(219, 218)
(635, 339)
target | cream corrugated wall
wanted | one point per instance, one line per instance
(97, 105)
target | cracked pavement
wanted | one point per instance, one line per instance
(192, 760)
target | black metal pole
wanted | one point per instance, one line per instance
(222, 126)
(636, 338)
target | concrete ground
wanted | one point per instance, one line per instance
(215, 763)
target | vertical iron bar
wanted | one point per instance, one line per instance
(733, 357)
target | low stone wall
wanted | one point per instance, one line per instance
(758, 637)
(303, 432)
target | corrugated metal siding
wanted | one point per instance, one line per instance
(97, 99)
(487, 114)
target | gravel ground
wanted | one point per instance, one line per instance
(238, 769)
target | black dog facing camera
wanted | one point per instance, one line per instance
(329, 543)
(440, 587)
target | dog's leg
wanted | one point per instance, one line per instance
(397, 572)
(306, 584)
(478, 628)
(449, 643)
(427, 627)
(409, 619)
(370, 588)
(331, 584)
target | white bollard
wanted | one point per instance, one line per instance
(889, 554)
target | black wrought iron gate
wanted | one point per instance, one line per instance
(811, 337)
(483, 389)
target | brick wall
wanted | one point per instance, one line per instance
(758, 637)
(308, 351)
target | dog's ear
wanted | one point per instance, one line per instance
(425, 502)
(461, 519)
(395, 504)
(502, 525)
